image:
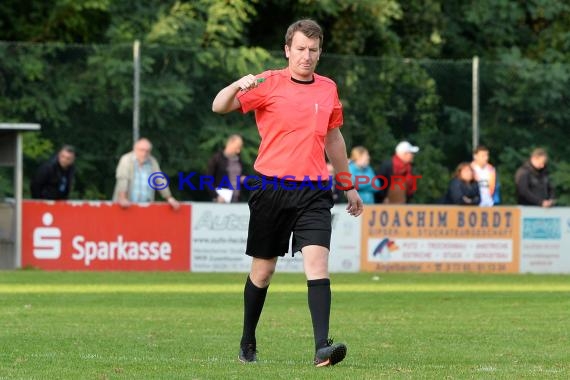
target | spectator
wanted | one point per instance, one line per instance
(337, 193)
(401, 164)
(133, 173)
(532, 183)
(54, 178)
(359, 166)
(463, 188)
(486, 176)
(226, 165)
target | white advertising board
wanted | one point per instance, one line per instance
(545, 240)
(219, 236)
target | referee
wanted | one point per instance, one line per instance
(298, 115)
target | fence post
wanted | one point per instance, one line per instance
(136, 89)
(475, 101)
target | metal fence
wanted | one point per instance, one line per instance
(84, 95)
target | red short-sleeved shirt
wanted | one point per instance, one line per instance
(293, 120)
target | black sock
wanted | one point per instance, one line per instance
(253, 300)
(320, 307)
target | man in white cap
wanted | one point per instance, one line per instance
(397, 171)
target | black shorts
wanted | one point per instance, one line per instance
(276, 212)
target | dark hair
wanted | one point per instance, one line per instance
(308, 27)
(457, 173)
(480, 148)
(68, 148)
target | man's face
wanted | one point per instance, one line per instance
(142, 151)
(303, 56)
(66, 158)
(481, 158)
(539, 162)
(407, 157)
(235, 146)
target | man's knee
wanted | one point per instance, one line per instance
(316, 262)
(261, 278)
(262, 271)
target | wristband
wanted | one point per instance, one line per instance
(350, 188)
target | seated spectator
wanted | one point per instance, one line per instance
(359, 166)
(463, 188)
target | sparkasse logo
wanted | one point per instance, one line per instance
(47, 240)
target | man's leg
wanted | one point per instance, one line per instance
(254, 294)
(315, 260)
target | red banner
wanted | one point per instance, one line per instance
(103, 236)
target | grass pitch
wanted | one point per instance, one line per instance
(187, 325)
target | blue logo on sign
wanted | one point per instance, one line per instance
(541, 228)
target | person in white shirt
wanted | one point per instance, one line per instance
(485, 175)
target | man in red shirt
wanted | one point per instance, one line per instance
(298, 115)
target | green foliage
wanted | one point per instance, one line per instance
(561, 178)
(55, 20)
(510, 160)
(36, 147)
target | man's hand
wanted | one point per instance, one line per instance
(173, 203)
(247, 82)
(355, 205)
(547, 203)
(124, 202)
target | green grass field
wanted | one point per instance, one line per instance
(183, 325)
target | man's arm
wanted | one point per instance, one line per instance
(122, 181)
(523, 186)
(226, 101)
(336, 151)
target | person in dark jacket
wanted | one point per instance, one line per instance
(226, 167)
(463, 188)
(54, 178)
(532, 183)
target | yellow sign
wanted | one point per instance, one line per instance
(408, 238)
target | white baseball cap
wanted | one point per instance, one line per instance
(406, 147)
